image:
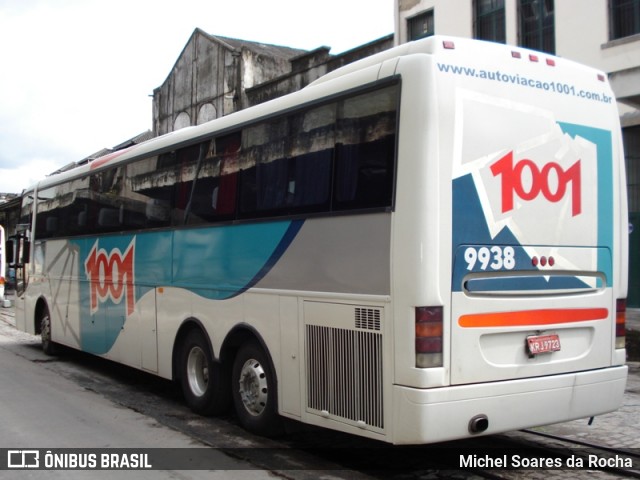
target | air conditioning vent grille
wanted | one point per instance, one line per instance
(367, 318)
(344, 374)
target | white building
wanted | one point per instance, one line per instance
(602, 33)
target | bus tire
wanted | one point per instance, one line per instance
(48, 346)
(254, 391)
(205, 385)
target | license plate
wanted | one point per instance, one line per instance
(543, 344)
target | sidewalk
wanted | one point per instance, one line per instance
(8, 313)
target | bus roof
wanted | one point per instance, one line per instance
(468, 47)
(315, 90)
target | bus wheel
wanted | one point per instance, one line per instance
(204, 381)
(48, 346)
(254, 391)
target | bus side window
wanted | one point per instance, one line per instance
(311, 152)
(214, 194)
(365, 154)
(106, 189)
(286, 168)
(223, 198)
(255, 149)
(50, 206)
(151, 185)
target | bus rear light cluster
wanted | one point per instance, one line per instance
(621, 313)
(543, 261)
(429, 328)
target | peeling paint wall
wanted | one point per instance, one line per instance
(197, 87)
(308, 68)
(215, 76)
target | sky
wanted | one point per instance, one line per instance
(76, 75)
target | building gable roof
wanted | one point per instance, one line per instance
(237, 45)
(275, 51)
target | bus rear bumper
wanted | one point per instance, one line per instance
(441, 414)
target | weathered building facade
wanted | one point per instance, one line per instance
(9, 214)
(215, 76)
(209, 78)
(310, 66)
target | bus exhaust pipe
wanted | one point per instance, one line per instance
(478, 424)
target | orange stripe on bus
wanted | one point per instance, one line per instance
(98, 162)
(532, 317)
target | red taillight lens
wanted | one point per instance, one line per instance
(429, 328)
(621, 313)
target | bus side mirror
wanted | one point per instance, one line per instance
(17, 251)
(26, 252)
(8, 249)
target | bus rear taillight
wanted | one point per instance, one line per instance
(621, 312)
(429, 337)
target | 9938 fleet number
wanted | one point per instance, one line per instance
(493, 258)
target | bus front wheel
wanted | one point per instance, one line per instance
(48, 346)
(204, 381)
(254, 391)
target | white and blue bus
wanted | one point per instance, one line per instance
(427, 244)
